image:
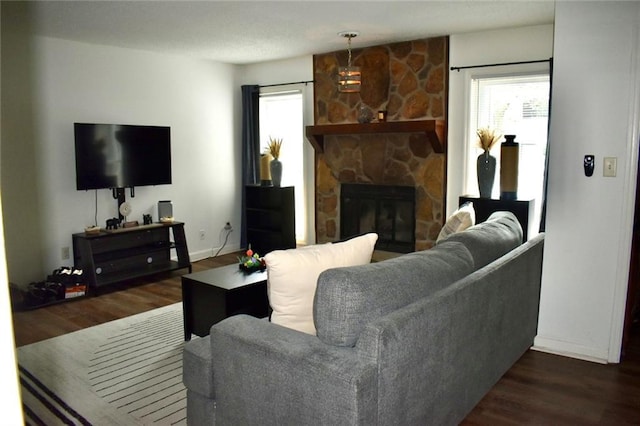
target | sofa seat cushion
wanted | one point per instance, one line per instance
(292, 275)
(489, 240)
(347, 299)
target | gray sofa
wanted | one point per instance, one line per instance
(414, 340)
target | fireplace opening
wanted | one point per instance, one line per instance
(390, 211)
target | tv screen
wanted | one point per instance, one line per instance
(121, 156)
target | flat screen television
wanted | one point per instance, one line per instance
(121, 156)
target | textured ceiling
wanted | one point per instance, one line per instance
(242, 32)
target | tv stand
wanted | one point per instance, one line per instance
(110, 257)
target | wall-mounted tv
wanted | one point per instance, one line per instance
(121, 156)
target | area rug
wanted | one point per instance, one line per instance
(124, 372)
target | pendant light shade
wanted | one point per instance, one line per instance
(349, 77)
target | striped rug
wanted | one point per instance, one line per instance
(125, 372)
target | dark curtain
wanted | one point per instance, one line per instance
(250, 147)
(543, 214)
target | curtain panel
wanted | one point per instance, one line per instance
(250, 148)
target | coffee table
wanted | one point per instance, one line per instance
(210, 296)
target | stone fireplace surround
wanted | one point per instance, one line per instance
(409, 80)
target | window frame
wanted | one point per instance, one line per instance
(470, 153)
(301, 205)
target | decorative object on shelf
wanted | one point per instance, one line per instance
(165, 209)
(146, 219)
(365, 115)
(509, 160)
(382, 116)
(486, 163)
(349, 77)
(113, 223)
(275, 165)
(265, 169)
(125, 209)
(251, 261)
(92, 230)
(486, 168)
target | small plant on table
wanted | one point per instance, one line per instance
(251, 261)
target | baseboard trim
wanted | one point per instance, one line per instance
(205, 254)
(568, 349)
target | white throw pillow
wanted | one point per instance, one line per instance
(292, 277)
(460, 220)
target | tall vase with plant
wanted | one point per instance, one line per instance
(275, 165)
(486, 163)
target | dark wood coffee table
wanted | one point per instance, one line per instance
(210, 296)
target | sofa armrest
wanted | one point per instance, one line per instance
(196, 367)
(465, 337)
(267, 374)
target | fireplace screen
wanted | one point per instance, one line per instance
(387, 210)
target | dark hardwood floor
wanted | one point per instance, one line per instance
(540, 389)
(112, 303)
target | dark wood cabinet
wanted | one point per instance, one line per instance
(270, 218)
(110, 257)
(210, 296)
(522, 209)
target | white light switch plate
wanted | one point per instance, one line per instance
(610, 167)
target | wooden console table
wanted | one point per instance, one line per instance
(114, 256)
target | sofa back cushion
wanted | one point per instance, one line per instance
(292, 275)
(347, 299)
(489, 240)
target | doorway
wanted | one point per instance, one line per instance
(632, 311)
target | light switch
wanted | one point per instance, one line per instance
(610, 167)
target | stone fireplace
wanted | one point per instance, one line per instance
(409, 81)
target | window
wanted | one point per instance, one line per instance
(281, 117)
(513, 105)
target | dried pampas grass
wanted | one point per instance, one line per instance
(274, 147)
(487, 138)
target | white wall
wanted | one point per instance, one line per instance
(76, 82)
(9, 387)
(596, 104)
(491, 47)
(289, 71)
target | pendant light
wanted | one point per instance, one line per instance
(349, 76)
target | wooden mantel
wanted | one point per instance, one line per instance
(433, 129)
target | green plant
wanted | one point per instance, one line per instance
(250, 259)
